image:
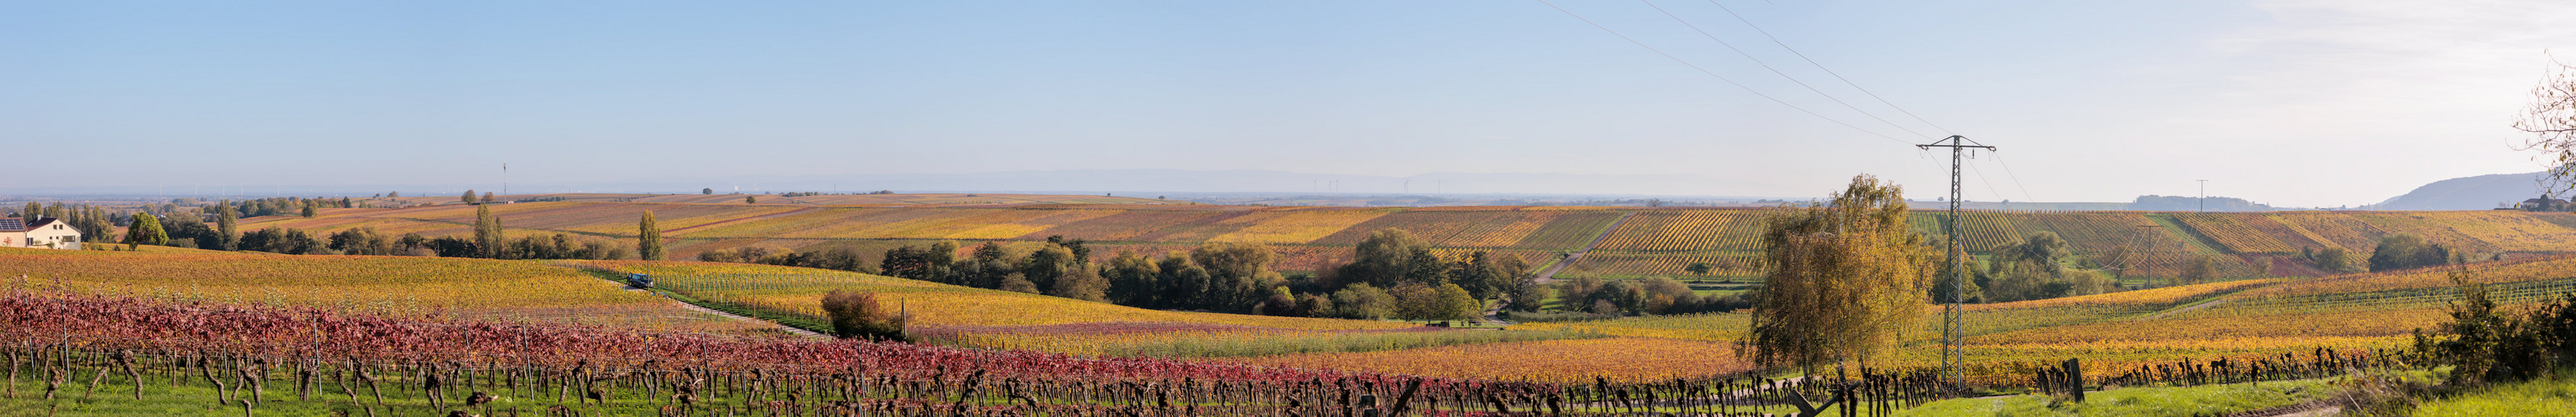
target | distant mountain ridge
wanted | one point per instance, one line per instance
(2467, 193)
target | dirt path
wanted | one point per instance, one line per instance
(1549, 275)
(2213, 302)
(745, 219)
(696, 308)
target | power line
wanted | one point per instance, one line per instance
(1714, 74)
(1812, 61)
(1767, 66)
(2016, 178)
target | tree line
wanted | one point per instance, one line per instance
(192, 229)
(1392, 275)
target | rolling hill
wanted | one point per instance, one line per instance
(1632, 241)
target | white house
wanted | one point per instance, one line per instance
(41, 232)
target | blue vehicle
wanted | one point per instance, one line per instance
(639, 281)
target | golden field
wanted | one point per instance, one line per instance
(1649, 242)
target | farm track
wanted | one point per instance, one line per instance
(718, 313)
(2214, 301)
(1549, 276)
(695, 307)
(745, 219)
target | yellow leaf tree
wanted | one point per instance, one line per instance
(1846, 279)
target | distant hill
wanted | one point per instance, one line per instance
(2187, 203)
(2471, 193)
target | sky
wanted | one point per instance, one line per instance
(2307, 103)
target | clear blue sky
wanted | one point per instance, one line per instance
(2306, 103)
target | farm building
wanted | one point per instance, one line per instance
(40, 232)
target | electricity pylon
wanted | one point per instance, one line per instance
(1959, 146)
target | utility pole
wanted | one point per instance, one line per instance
(505, 179)
(1959, 146)
(2204, 196)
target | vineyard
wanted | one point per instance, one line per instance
(196, 330)
(466, 288)
(192, 359)
(2240, 319)
(1650, 242)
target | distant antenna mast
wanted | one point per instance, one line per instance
(1950, 310)
(2204, 196)
(505, 179)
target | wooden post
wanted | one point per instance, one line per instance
(2075, 378)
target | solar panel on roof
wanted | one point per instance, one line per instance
(13, 224)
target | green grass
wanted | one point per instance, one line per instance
(2545, 397)
(2157, 401)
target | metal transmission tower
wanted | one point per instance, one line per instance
(1959, 146)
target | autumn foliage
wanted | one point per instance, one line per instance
(856, 315)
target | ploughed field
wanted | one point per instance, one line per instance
(1631, 242)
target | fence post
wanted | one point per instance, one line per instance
(2075, 378)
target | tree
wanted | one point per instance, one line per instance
(1576, 294)
(1314, 305)
(468, 198)
(487, 232)
(1416, 301)
(1528, 295)
(2043, 250)
(487, 197)
(1361, 301)
(226, 225)
(2332, 259)
(1134, 280)
(1083, 283)
(2551, 119)
(393, 194)
(857, 315)
(707, 191)
(1384, 259)
(751, 199)
(2402, 251)
(1048, 264)
(1236, 274)
(2200, 270)
(1019, 283)
(1457, 304)
(1969, 290)
(648, 238)
(1846, 279)
(1697, 268)
(1186, 284)
(146, 230)
(309, 211)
